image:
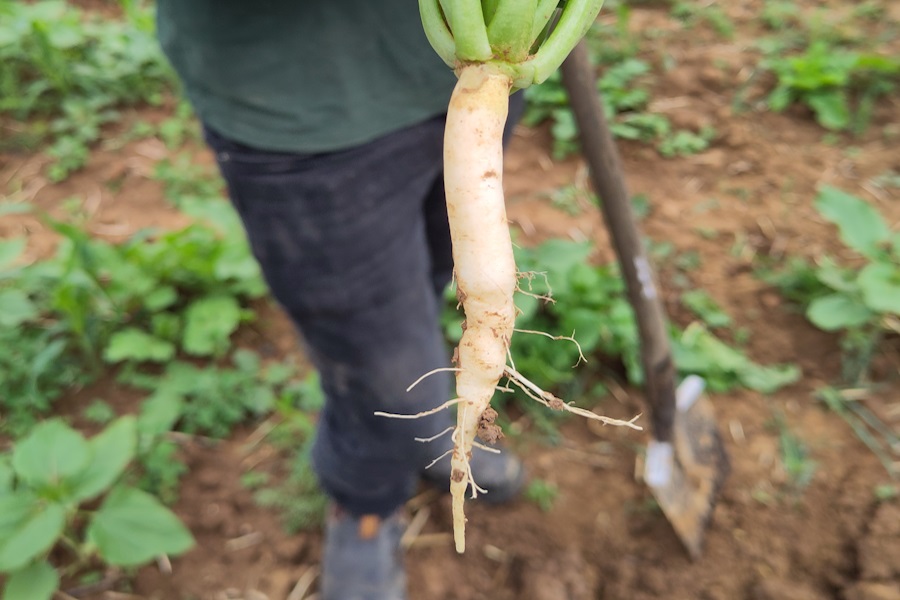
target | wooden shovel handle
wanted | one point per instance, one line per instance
(599, 150)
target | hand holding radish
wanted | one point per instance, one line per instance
(494, 46)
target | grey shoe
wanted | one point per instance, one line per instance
(362, 559)
(502, 475)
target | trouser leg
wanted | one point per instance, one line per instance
(355, 246)
(342, 242)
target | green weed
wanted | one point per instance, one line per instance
(839, 85)
(862, 301)
(625, 95)
(99, 412)
(212, 399)
(543, 493)
(297, 497)
(711, 14)
(798, 466)
(780, 14)
(44, 482)
(143, 301)
(68, 72)
(702, 304)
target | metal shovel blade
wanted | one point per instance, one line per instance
(685, 479)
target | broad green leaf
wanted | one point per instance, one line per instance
(43, 361)
(838, 278)
(703, 305)
(715, 351)
(160, 411)
(768, 379)
(880, 286)
(134, 344)
(16, 308)
(209, 322)
(111, 452)
(831, 108)
(558, 256)
(37, 581)
(861, 227)
(14, 510)
(246, 361)
(698, 351)
(132, 527)
(34, 536)
(780, 98)
(160, 298)
(51, 452)
(837, 311)
(6, 476)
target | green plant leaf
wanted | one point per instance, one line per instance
(16, 308)
(768, 379)
(133, 344)
(861, 227)
(703, 305)
(160, 298)
(37, 581)
(51, 452)
(837, 311)
(831, 108)
(558, 256)
(698, 351)
(112, 450)
(35, 535)
(14, 510)
(132, 527)
(780, 98)
(880, 286)
(838, 278)
(209, 322)
(160, 412)
(7, 476)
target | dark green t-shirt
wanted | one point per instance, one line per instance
(304, 75)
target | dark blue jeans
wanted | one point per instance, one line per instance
(355, 246)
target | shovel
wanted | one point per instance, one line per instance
(686, 462)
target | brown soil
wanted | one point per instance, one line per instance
(749, 195)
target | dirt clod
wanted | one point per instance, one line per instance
(488, 431)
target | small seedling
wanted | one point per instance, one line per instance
(543, 493)
(839, 85)
(692, 14)
(254, 480)
(99, 412)
(798, 466)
